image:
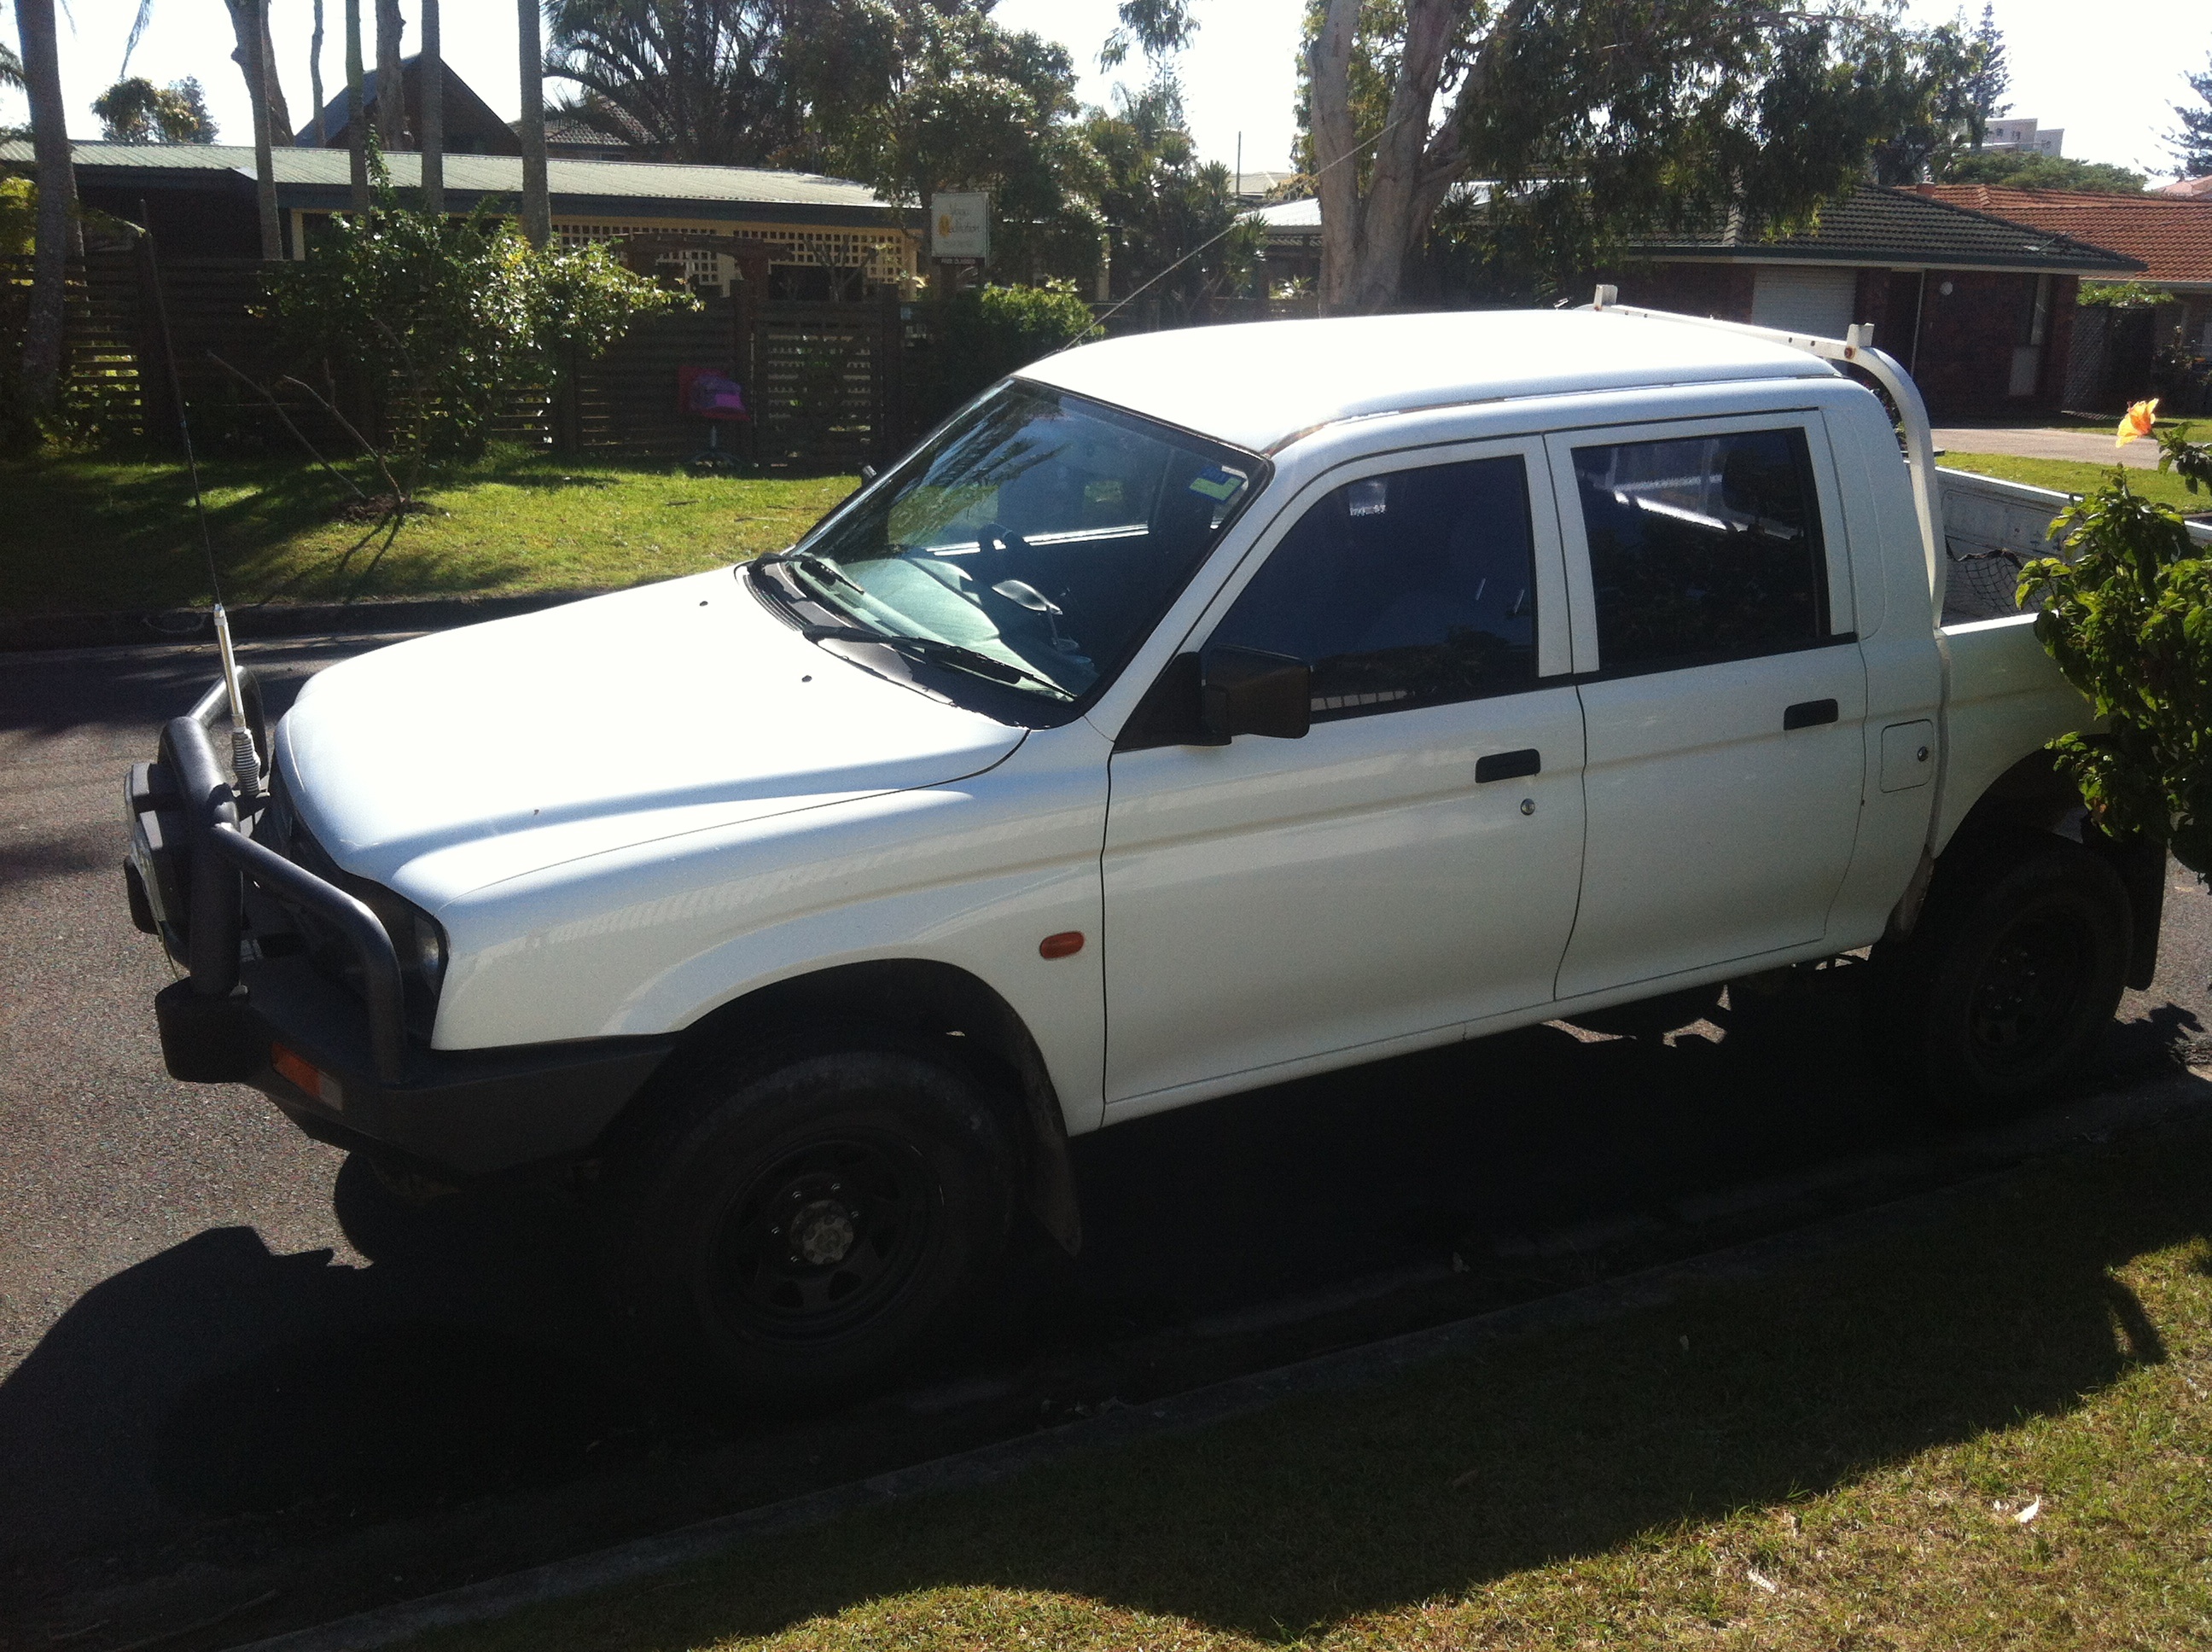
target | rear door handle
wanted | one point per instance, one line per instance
(1507, 765)
(1809, 713)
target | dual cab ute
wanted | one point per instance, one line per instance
(1186, 713)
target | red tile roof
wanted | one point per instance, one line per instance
(2172, 237)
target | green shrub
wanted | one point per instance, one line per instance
(2130, 622)
(991, 331)
(438, 323)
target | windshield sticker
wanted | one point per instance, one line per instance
(1217, 483)
(1371, 498)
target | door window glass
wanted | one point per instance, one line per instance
(1703, 549)
(1411, 589)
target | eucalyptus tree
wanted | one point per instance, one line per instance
(537, 190)
(249, 21)
(57, 236)
(390, 80)
(432, 138)
(318, 130)
(1588, 119)
(356, 111)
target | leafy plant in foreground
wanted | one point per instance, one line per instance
(2130, 621)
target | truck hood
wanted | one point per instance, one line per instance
(441, 765)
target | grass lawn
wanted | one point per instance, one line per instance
(1995, 1433)
(2072, 476)
(94, 533)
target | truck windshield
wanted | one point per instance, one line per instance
(1031, 542)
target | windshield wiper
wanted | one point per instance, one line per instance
(823, 568)
(936, 652)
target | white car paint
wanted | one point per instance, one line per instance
(631, 811)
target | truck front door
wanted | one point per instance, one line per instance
(1408, 864)
(1723, 693)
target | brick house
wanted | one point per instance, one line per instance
(1980, 309)
(2169, 235)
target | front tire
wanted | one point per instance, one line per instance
(2001, 996)
(800, 1228)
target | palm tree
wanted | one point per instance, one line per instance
(432, 138)
(58, 235)
(537, 201)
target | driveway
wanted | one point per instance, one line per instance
(2092, 446)
(229, 1364)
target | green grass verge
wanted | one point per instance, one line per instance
(90, 534)
(1835, 1456)
(2071, 477)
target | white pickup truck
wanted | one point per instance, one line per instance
(1186, 713)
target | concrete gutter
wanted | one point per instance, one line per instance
(28, 633)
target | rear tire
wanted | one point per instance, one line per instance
(798, 1227)
(1999, 997)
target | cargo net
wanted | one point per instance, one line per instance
(1980, 584)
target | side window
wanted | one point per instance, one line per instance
(1703, 550)
(1416, 588)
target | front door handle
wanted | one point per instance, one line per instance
(1809, 713)
(1507, 765)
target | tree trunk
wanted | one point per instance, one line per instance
(320, 133)
(391, 79)
(536, 202)
(357, 109)
(57, 232)
(1336, 165)
(1366, 234)
(432, 138)
(249, 28)
(249, 20)
(280, 114)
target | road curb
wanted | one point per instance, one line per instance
(40, 633)
(644, 1557)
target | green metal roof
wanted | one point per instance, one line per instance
(303, 172)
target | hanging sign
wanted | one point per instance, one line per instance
(960, 227)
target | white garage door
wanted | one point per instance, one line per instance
(1800, 300)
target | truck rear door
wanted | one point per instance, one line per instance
(1722, 687)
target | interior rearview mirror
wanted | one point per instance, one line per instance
(1249, 691)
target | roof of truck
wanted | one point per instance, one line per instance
(1258, 386)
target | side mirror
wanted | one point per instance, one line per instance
(1249, 691)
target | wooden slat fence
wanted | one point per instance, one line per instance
(828, 384)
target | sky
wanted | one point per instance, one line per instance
(2106, 77)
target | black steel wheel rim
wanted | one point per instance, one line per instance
(2026, 994)
(824, 1237)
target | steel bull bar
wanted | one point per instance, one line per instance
(343, 1066)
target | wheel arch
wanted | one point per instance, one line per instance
(2036, 796)
(959, 1016)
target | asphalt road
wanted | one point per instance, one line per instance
(2039, 441)
(221, 1346)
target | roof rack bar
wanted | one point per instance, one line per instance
(1855, 347)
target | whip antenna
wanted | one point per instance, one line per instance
(244, 761)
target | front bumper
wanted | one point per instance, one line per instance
(342, 1065)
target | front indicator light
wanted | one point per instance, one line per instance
(307, 1076)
